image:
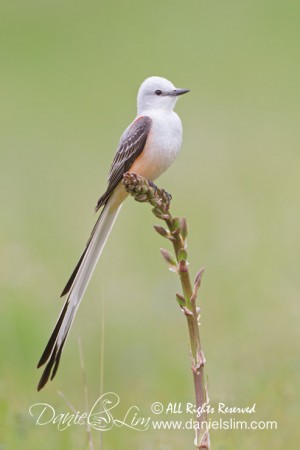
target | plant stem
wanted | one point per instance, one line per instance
(144, 191)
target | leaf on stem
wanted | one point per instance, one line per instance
(175, 227)
(197, 284)
(182, 255)
(180, 299)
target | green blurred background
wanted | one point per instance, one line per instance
(70, 71)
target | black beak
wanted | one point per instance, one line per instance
(177, 92)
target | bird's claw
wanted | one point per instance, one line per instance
(151, 184)
(169, 196)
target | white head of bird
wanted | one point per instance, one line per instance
(157, 93)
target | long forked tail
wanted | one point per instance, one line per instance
(75, 288)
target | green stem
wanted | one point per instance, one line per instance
(143, 191)
(192, 322)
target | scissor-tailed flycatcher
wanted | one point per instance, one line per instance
(147, 147)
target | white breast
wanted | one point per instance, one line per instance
(163, 143)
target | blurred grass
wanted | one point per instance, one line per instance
(70, 72)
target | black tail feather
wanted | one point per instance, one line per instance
(52, 352)
(51, 343)
(69, 284)
(46, 374)
(74, 273)
(52, 364)
(57, 359)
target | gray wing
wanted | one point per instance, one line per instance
(131, 145)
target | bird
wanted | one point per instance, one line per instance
(148, 146)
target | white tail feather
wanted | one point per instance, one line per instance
(83, 276)
(94, 248)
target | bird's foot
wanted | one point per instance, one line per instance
(169, 196)
(151, 184)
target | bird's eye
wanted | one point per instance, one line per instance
(158, 92)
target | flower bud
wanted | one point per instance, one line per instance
(168, 257)
(161, 230)
(183, 228)
(141, 197)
